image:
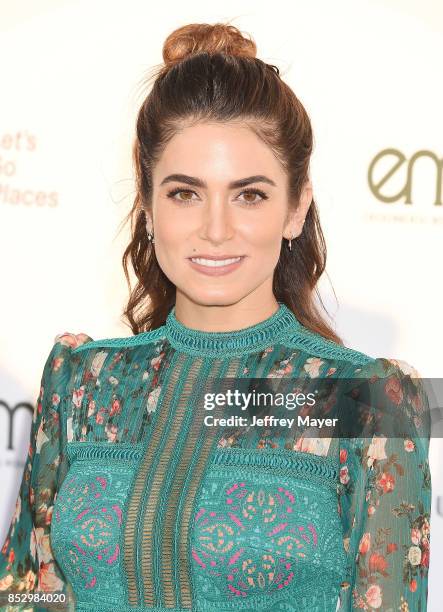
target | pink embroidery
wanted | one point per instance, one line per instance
(119, 513)
(254, 543)
(197, 558)
(93, 537)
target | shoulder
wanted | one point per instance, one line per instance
(64, 344)
(59, 360)
(72, 352)
(396, 392)
(58, 367)
(355, 363)
(81, 342)
(318, 346)
(72, 340)
(358, 361)
(382, 367)
(389, 374)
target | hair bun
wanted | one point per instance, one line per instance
(212, 38)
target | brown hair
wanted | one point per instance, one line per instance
(211, 72)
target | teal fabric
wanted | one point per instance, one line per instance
(129, 502)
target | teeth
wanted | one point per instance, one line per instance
(214, 263)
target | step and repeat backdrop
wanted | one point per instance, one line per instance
(72, 80)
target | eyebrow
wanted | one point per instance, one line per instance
(196, 182)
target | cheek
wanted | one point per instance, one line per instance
(265, 233)
(169, 230)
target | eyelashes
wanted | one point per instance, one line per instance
(171, 194)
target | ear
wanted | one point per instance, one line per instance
(296, 218)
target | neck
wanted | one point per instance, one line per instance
(226, 318)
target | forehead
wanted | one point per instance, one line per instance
(218, 152)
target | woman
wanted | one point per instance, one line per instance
(128, 497)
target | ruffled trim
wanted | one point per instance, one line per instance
(72, 340)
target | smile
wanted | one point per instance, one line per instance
(215, 267)
(214, 262)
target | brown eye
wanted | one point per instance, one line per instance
(251, 196)
(188, 194)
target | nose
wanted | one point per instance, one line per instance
(216, 223)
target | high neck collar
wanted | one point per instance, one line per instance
(240, 341)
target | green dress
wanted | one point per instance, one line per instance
(129, 502)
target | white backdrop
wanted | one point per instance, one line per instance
(369, 74)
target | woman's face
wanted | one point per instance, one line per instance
(203, 213)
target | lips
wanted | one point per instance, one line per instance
(215, 257)
(215, 266)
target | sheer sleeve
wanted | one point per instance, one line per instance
(27, 564)
(386, 500)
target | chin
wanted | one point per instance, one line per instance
(214, 299)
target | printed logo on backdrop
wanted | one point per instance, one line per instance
(20, 157)
(398, 182)
(8, 415)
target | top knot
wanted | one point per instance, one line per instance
(204, 37)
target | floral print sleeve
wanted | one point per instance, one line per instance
(386, 501)
(27, 564)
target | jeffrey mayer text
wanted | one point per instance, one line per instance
(268, 421)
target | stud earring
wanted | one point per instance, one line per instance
(150, 237)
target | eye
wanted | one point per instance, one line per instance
(171, 194)
(249, 192)
(254, 192)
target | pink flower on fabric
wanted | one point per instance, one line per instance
(77, 396)
(344, 475)
(373, 596)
